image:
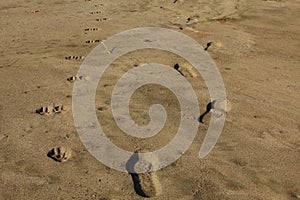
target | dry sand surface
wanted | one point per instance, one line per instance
(256, 47)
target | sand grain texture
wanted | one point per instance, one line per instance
(255, 45)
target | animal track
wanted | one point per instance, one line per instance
(95, 12)
(102, 19)
(75, 78)
(91, 41)
(214, 43)
(47, 110)
(91, 29)
(58, 108)
(185, 68)
(60, 154)
(74, 57)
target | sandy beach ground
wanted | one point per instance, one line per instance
(256, 47)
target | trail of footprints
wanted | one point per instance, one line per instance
(61, 153)
(145, 184)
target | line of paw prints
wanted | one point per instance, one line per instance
(61, 154)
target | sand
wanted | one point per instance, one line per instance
(255, 45)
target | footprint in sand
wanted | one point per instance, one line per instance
(48, 110)
(186, 68)
(91, 29)
(145, 184)
(91, 41)
(102, 19)
(60, 154)
(214, 44)
(76, 78)
(217, 107)
(45, 110)
(95, 12)
(74, 57)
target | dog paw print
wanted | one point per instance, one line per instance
(91, 41)
(74, 57)
(91, 29)
(185, 68)
(95, 12)
(76, 78)
(60, 154)
(101, 19)
(48, 110)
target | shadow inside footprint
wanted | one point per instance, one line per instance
(59, 154)
(135, 177)
(176, 67)
(220, 106)
(208, 108)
